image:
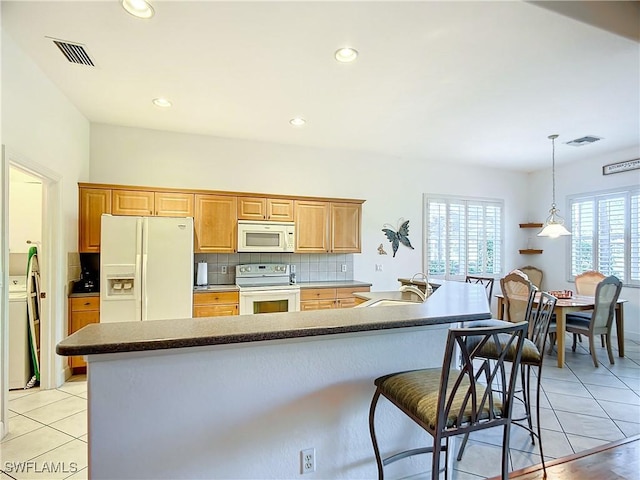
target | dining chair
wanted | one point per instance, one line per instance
(586, 283)
(606, 297)
(467, 394)
(535, 275)
(539, 320)
(518, 295)
(487, 282)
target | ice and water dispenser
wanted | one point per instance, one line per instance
(120, 282)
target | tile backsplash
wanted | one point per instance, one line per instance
(309, 267)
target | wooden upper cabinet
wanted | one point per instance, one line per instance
(173, 204)
(252, 208)
(260, 208)
(312, 226)
(215, 223)
(280, 210)
(93, 203)
(328, 227)
(346, 219)
(132, 202)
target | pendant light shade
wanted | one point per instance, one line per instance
(554, 225)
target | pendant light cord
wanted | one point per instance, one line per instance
(553, 170)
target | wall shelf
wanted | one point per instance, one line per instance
(531, 225)
(530, 251)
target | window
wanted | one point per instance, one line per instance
(606, 234)
(463, 236)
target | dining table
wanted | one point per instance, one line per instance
(568, 305)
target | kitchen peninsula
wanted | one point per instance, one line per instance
(242, 396)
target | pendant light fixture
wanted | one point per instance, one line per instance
(554, 225)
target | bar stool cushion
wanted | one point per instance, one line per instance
(417, 391)
(530, 353)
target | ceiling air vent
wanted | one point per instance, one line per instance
(579, 142)
(74, 52)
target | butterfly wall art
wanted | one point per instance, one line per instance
(399, 236)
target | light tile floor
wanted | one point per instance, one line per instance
(581, 407)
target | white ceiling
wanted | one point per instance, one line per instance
(472, 82)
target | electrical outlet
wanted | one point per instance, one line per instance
(308, 460)
(292, 268)
(343, 268)
(223, 269)
(378, 267)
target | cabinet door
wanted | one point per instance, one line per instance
(173, 204)
(312, 226)
(345, 227)
(132, 202)
(93, 203)
(317, 305)
(280, 210)
(215, 224)
(80, 316)
(252, 208)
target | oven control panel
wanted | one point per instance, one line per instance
(262, 274)
(262, 269)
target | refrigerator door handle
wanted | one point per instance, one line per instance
(143, 276)
(144, 282)
(140, 300)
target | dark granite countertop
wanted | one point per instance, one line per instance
(88, 294)
(332, 284)
(454, 302)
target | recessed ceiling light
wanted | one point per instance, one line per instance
(161, 102)
(297, 122)
(346, 54)
(138, 8)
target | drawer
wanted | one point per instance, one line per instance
(205, 298)
(317, 294)
(346, 292)
(215, 310)
(79, 304)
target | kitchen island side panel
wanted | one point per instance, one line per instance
(247, 410)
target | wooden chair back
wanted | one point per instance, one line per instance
(535, 275)
(586, 282)
(518, 297)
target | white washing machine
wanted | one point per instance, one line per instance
(19, 364)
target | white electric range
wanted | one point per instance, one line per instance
(266, 288)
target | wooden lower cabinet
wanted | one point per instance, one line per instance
(82, 312)
(215, 304)
(326, 298)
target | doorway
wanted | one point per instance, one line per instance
(25, 249)
(50, 251)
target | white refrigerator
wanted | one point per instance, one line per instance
(146, 268)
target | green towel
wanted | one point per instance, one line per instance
(33, 347)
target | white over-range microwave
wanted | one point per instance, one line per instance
(264, 237)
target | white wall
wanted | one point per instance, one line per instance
(391, 186)
(572, 179)
(40, 125)
(25, 215)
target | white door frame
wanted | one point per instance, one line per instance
(51, 257)
(4, 295)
